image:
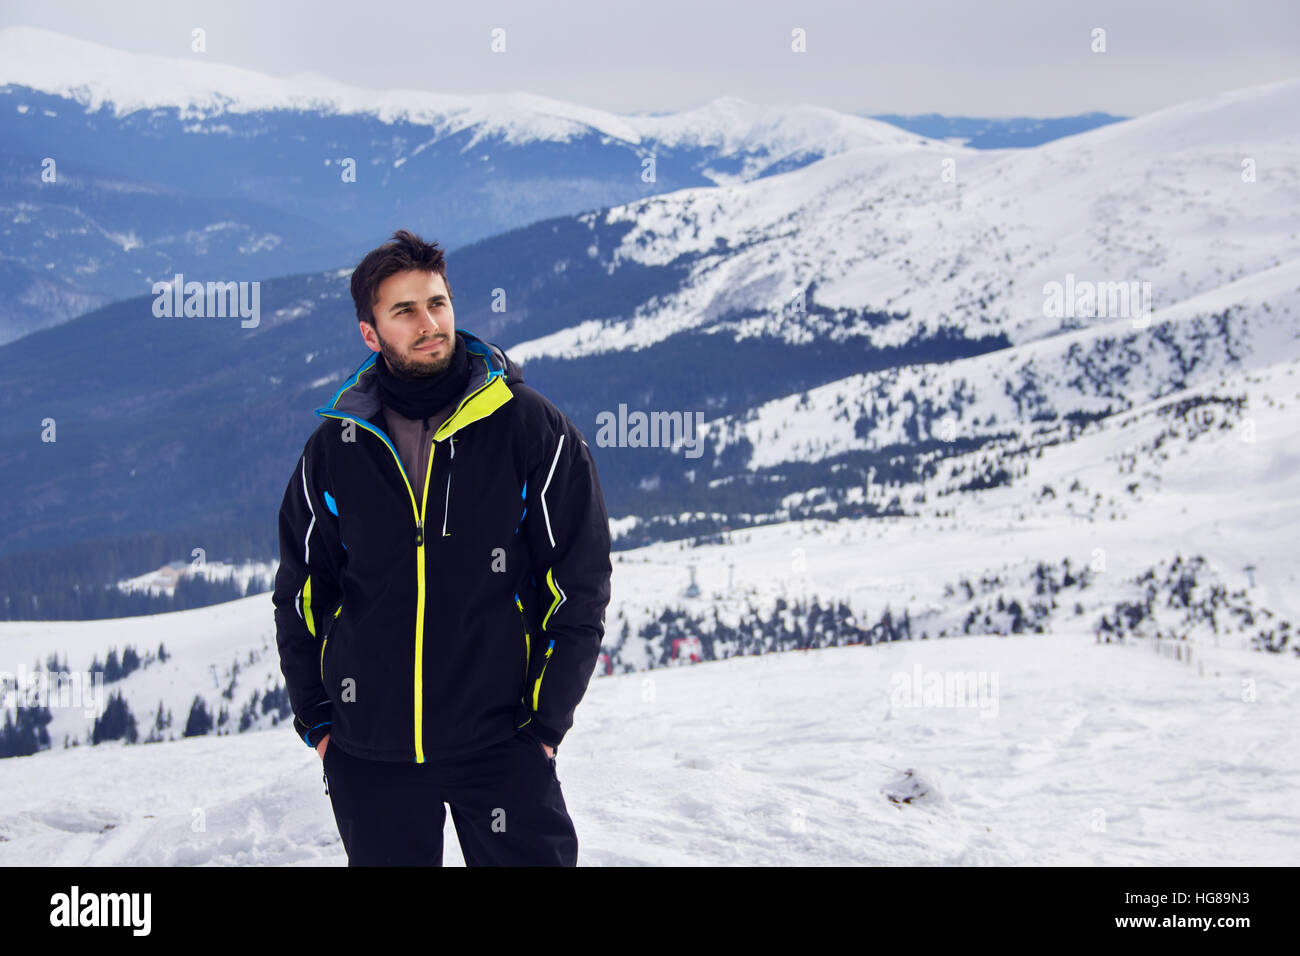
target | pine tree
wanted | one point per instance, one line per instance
(112, 670)
(199, 721)
(116, 723)
(1017, 617)
(7, 734)
(25, 733)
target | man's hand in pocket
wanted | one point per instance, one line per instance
(320, 747)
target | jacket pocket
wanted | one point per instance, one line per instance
(528, 652)
(537, 685)
(334, 626)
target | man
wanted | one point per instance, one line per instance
(444, 573)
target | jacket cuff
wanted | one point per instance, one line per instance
(313, 736)
(544, 734)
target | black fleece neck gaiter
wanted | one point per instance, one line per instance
(418, 398)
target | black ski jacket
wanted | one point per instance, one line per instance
(420, 630)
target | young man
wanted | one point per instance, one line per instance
(444, 573)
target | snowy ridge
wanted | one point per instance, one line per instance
(98, 76)
(1159, 199)
(735, 127)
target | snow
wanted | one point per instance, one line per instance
(775, 760)
(1265, 330)
(156, 582)
(99, 76)
(1160, 199)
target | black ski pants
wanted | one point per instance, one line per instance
(505, 801)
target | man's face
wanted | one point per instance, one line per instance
(413, 312)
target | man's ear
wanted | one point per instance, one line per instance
(368, 334)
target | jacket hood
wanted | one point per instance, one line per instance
(359, 395)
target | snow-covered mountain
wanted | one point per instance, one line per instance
(949, 236)
(1076, 376)
(98, 76)
(926, 330)
(175, 164)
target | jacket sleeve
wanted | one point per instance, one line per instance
(569, 543)
(307, 593)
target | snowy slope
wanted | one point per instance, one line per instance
(1229, 490)
(777, 760)
(1251, 323)
(1157, 199)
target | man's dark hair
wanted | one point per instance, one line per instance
(403, 252)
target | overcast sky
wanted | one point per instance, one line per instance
(967, 57)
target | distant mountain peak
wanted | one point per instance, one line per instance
(99, 76)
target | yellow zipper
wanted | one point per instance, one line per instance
(419, 613)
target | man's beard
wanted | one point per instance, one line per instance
(423, 366)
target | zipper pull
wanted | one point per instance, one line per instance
(419, 533)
